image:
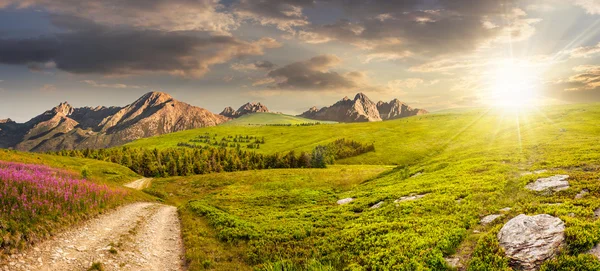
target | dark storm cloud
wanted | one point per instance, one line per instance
(396, 29)
(201, 15)
(314, 74)
(90, 48)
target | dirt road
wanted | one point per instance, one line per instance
(139, 236)
(140, 184)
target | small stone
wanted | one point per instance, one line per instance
(504, 210)
(416, 175)
(344, 201)
(597, 213)
(571, 214)
(582, 194)
(410, 197)
(378, 205)
(453, 262)
(489, 219)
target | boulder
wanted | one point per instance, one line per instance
(344, 201)
(528, 241)
(488, 219)
(550, 184)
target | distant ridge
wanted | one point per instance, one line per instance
(247, 108)
(65, 127)
(362, 109)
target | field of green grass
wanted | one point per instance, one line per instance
(467, 165)
(271, 119)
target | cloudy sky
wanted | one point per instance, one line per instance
(293, 54)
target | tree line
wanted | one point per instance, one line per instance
(198, 159)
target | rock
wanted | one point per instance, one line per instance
(506, 209)
(378, 205)
(595, 251)
(245, 109)
(550, 184)
(571, 214)
(597, 213)
(528, 241)
(410, 197)
(344, 201)
(416, 175)
(488, 219)
(453, 262)
(582, 194)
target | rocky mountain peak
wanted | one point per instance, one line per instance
(154, 98)
(361, 97)
(3, 121)
(63, 108)
(247, 108)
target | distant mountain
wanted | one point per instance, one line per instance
(65, 127)
(396, 109)
(245, 109)
(361, 109)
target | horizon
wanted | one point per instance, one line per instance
(292, 55)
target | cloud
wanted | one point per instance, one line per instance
(258, 65)
(588, 78)
(583, 86)
(127, 51)
(101, 85)
(590, 6)
(403, 85)
(584, 51)
(391, 30)
(48, 88)
(314, 74)
(284, 14)
(171, 15)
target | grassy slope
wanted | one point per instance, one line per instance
(99, 171)
(471, 163)
(269, 119)
(397, 142)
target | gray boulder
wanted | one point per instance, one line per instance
(378, 205)
(530, 240)
(550, 184)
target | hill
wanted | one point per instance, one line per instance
(271, 119)
(426, 214)
(65, 127)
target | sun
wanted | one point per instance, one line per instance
(514, 84)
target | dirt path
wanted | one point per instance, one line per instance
(139, 236)
(140, 184)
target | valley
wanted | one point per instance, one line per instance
(417, 202)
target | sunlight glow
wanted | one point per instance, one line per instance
(514, 85)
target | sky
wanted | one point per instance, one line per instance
(294, 54)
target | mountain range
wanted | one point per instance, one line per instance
(245, 109)
(157, 113)
(362, 109)
(65, 127)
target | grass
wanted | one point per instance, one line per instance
(97, 171)
(271, 119)
(470, 165)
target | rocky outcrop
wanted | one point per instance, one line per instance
(245, 109)
(65, 127)
(528, 241)
(550, 184)
(410, 197)
(5, 121)
(396, 109)
(361, 109)
(489, 219)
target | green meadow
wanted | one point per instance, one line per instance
(463, 164)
